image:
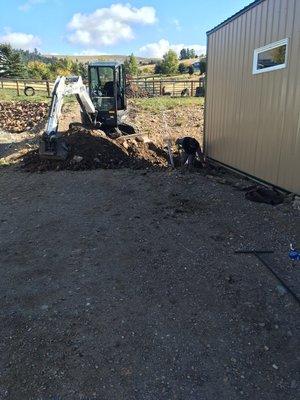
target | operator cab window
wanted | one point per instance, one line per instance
(106, 76)
(94, 79)
(271, 57)
(102, 87)
(102, 81)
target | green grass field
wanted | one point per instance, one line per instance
(40, 96)
(161, 103)
(178, 77)
(11, 95)
(150, 104)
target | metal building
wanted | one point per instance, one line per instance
(252, 116)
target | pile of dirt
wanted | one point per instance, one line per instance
(20, 116)
(135, 91)
(93, 149)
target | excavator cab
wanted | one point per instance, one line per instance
(107, 92)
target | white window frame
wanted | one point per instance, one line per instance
(271, 46)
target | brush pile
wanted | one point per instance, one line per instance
(16, 117)
(135, 91)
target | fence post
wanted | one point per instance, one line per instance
(192, 88)
(18, 89)
(48, 88)
(153, 85)
(1, 84)
(160, 87)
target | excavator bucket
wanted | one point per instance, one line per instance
(53, 149)
(127, 129)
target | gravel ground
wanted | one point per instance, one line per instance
(124, 284)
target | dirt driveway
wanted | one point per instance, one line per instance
(124, 284)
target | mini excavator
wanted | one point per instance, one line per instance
(102, 106)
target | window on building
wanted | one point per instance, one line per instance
(270, 57)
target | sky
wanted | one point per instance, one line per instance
(146, 28)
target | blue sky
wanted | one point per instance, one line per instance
(144, 27)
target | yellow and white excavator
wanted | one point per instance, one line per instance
(103, 105)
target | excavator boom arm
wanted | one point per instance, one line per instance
(51, 145)
(65, 87)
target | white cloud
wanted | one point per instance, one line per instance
(29, 4)
(177, 25)
(108, 26)
(20, 40)
(158, 49)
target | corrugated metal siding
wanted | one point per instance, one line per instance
(252, 121)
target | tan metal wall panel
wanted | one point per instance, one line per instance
(289, 170)
(252, 121)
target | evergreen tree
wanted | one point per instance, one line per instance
(3, 64)
(131, 65)
(158, 68)
(183, 55)
(83, 72)
(182, 69)
(186, 54)
(12, 64)
(192, 53)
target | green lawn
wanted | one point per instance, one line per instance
(179, 77)
(160, 103)
(11, 95)
(151, 104)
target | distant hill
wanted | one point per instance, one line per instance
(86, 59)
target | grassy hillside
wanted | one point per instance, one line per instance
(97, 57)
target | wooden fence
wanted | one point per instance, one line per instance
(153, 86)
(171, 87)
(43, 86)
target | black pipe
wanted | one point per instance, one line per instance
(257, 254)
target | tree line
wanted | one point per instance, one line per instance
(25, 64)
(169, 65)
(186, 54)
(33, 65)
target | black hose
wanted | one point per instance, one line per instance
(258, 255)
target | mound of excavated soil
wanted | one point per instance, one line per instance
(20, 116)
(92, 150)
(135, 91)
